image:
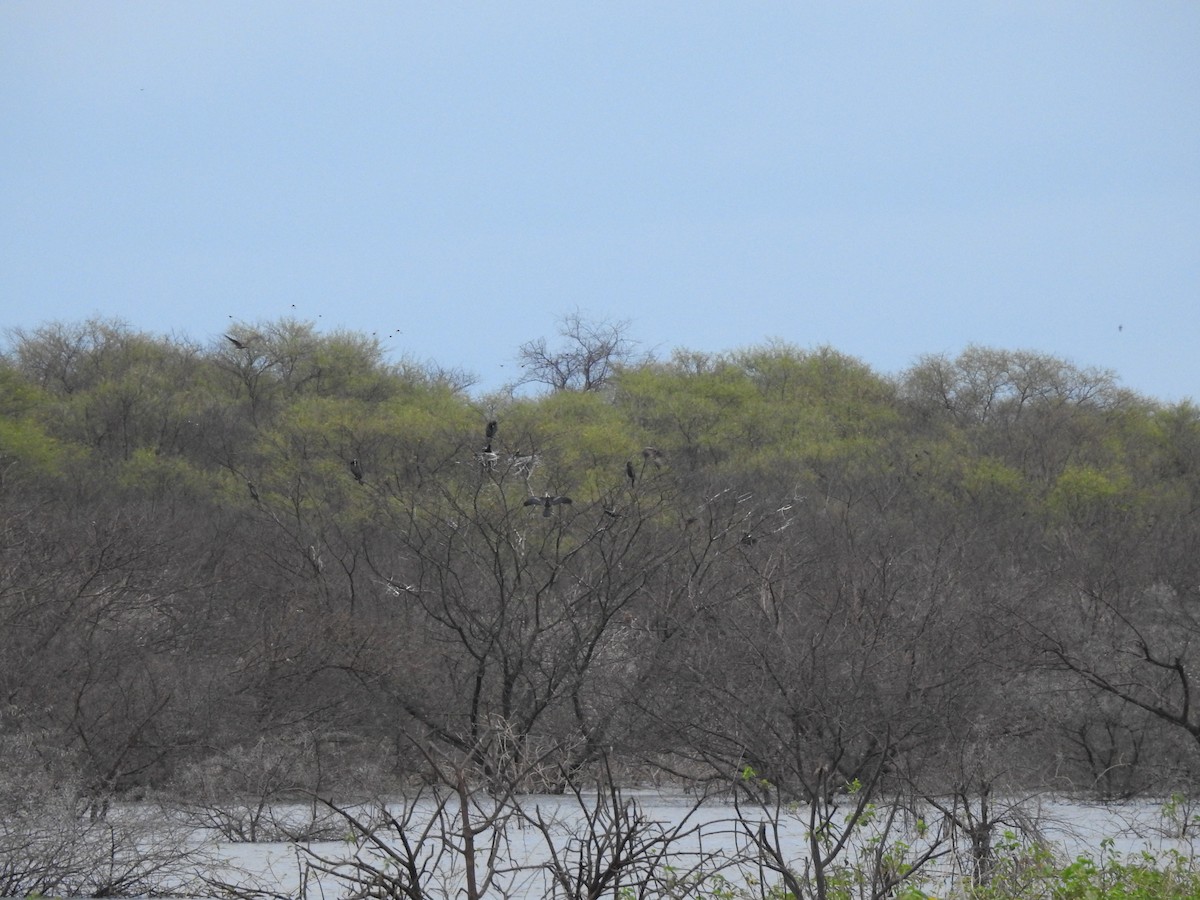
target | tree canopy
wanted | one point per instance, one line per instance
(773, 557)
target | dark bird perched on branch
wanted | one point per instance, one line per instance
(489, 433)
(253, 490)
(239, 344)
(653, 455)
(546, 502)
(629, 473)
(487, 457)
(356, 470)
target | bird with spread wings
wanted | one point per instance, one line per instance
(546, 502)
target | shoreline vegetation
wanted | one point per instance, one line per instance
(607, 842)
(252, 575)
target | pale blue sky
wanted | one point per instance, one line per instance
(889, 179)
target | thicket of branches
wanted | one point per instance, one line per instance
(780, 571)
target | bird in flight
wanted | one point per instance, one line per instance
(546, 502)
(356, 470)
(239, 344)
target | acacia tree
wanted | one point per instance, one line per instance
(744, 522)
(115, 391)
(1026, 409)
(589, 356)
(517, 626)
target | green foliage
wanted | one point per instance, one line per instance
(575, 432)
(1084, 494)
(694, 407)
(749, 776)
(817, 552)
(1143, 876)
(1180, 816)
(996, 483)
(156, 475)
(760, 411)
(26, 444)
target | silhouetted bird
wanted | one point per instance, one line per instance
(629, 471)
(546, 502)
(489, 433)
(356, 470)
(235, 342)
(653, 455)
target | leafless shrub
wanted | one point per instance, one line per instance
(261, 792)
(50, 845)
(609, 846)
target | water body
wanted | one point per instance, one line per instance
(712, 836)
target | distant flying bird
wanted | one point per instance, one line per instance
(629, 473)
(652, 455)
(546, 502)
(235, 342)
(356, 470)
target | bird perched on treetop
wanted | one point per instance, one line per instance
(629, 471)
(546, 502)
(356, 470)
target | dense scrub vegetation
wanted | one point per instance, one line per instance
(976, 577)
